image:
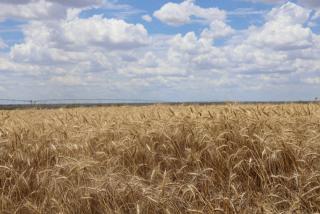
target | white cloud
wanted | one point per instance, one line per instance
(99, 31)
(2, 89)
(314, 20)
(283, 45)
(105, 56)
(2, 44)
(289, 13)
(284, 29)
(188, 11)
(187, 43)
(79, 3)
(69, 39)
(185, 12)
(7, 65)
(315, 80)
(246, 12)
(147, 18)
(32, 10)
(68, 80)
(70, 3)
(217, 29)
(315, 16)
(52, 9)
(149, 60)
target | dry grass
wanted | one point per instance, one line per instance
(161, 159)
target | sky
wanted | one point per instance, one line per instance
(192, 50)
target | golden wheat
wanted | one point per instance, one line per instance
(161, 159)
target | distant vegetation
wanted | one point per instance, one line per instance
(161, 159)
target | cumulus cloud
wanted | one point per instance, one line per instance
(112, 33)
(112, 56)
(7, 65)
(187, 11)
(32, 10)
(289, 13)
(45, 42)
(284, 29)
(217, 29)
(282, 46)
(47, 9)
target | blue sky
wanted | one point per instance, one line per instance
(192, 50)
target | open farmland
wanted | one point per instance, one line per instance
(161, 159)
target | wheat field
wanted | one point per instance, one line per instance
(161, 159)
